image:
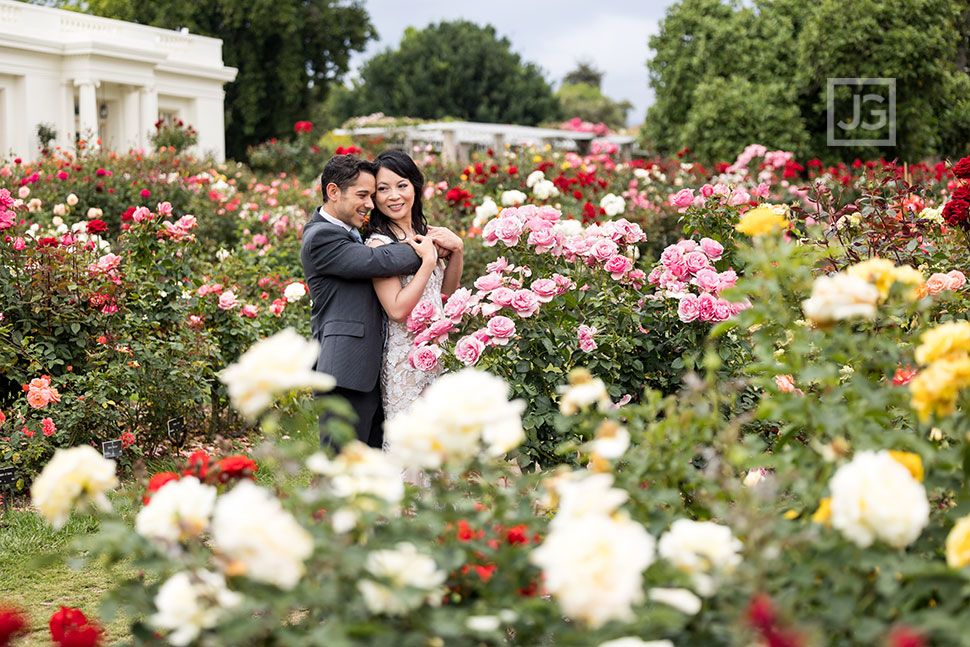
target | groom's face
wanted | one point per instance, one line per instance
(352, 205)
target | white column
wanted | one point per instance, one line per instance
(449, 147)
(87, 110)
(130, 109)
(149, 115)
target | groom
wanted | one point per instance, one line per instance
(347, 318)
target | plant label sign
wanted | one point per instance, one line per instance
(176, 431)
(7, 477)
(111, 448)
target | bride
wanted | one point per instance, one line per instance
(397, 216)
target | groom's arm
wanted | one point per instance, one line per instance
(340, 256)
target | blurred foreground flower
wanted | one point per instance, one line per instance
(414, 579)
(73, 476)
(189, 602)
(764, 219)
(272, 366)
(839, 297)
(702, 549)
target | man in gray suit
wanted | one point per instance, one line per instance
(347, 318)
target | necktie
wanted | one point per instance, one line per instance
(356, 235)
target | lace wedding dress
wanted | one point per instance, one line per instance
(401, 384)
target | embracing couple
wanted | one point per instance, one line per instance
(364, 286)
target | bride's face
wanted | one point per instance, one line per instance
(394, 196)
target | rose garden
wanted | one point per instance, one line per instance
(706, 394)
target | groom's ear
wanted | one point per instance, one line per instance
(332, 191)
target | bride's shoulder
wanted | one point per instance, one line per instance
(377, 239)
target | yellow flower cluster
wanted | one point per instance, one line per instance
(764, 219)
(882, 273)
(958, 544)
(946, 349)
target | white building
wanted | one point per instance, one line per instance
(104, 79)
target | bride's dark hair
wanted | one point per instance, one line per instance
(401, 164)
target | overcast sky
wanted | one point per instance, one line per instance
(553, 34)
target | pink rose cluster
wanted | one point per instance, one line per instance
(688, 266)
(501, 289)
(952, 280)
(40, 392)
(585, 334)
(7, 215)
(107, 266)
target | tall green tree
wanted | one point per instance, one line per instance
(288, 52)
(588, 103)
(726, 74)
(454, 69)
(584, 73)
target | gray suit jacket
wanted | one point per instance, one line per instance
(347, 318)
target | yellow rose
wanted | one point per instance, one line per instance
(824, 511)
(910, 461)
(878, 271)
(958, 544)
(936, 387)
(912, 276)
(764, 219)
(943, 340)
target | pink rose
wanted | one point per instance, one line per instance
(707, 190)
(705, 306)
(720, 189)
(738, 307)
(544, 240)
(438, 331)
(585, 335)
(468, 350)
(249, 310)
(739, 196)
(563, 283)
(550, 214)
(188, 222)
(424, 358)
(499, 265)
(502, 296)
(763, 190)
(688, 309)
(164, 208)
(682, 198)
(482, 335)
(501, 329)
(545, 289)
(632, 233)
(603, 249)
(538, 224)
(722, 310)
(672, 255)
(956, 279)
(635, 278)
(687, 244)
(937, 283)
(195, 322)
(785, 383)
(421, 313)
(19, 243)
(654, 277)
(488, 282)
(490, 232)
(227, 300)
(457, 304)
(708, 280)
(712, 248)
(618, 266)
(508, 231)
(525, 303)
(696, 261)
(140, 214)
(728, 279)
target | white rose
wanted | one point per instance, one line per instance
(702, 549)
(271, 366)
(483, 623)
(576, 397)
(179, 510)
(94, 212)
(251, 528)
(614, 205)
(875, 497)
(223, 254)
(681, 599)
(611, 441)
(534, 177)
(77, 475)
(568, 228)
(512, 198)
(189, 602)
(840, 296)
(71, 199)
(294, 291)
(583, 494)
(404, 569)
(361, 470)
(485, 211)
(544, 189)
(593, 566)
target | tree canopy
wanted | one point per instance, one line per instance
(584, 73)
(589, 104)
(726, 74)
(452, 69)
(288, 52)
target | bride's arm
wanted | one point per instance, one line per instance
(396, 300)
(455, 263)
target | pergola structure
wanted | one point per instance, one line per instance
(102, 79)
(456, 138)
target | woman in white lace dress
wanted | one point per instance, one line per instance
(397, 216)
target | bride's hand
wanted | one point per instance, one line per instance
(424, 246)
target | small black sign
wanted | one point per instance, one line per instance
(7, 476)
(111, 448)
(176, 431)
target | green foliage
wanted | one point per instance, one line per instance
(175, 136)
(584, 73)
(588, 103)
(454, 69)
(759, 74)
(288, 53)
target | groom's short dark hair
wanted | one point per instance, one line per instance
(343, 171)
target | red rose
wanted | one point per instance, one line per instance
(198, 465)
(145, 193)
(903, 636)
(69, 628)
(962, 168)
(47, 241)
(956, 211)
(236, 467)
(12, 621)
(156, 482)
(97, 226)
(127, 215)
